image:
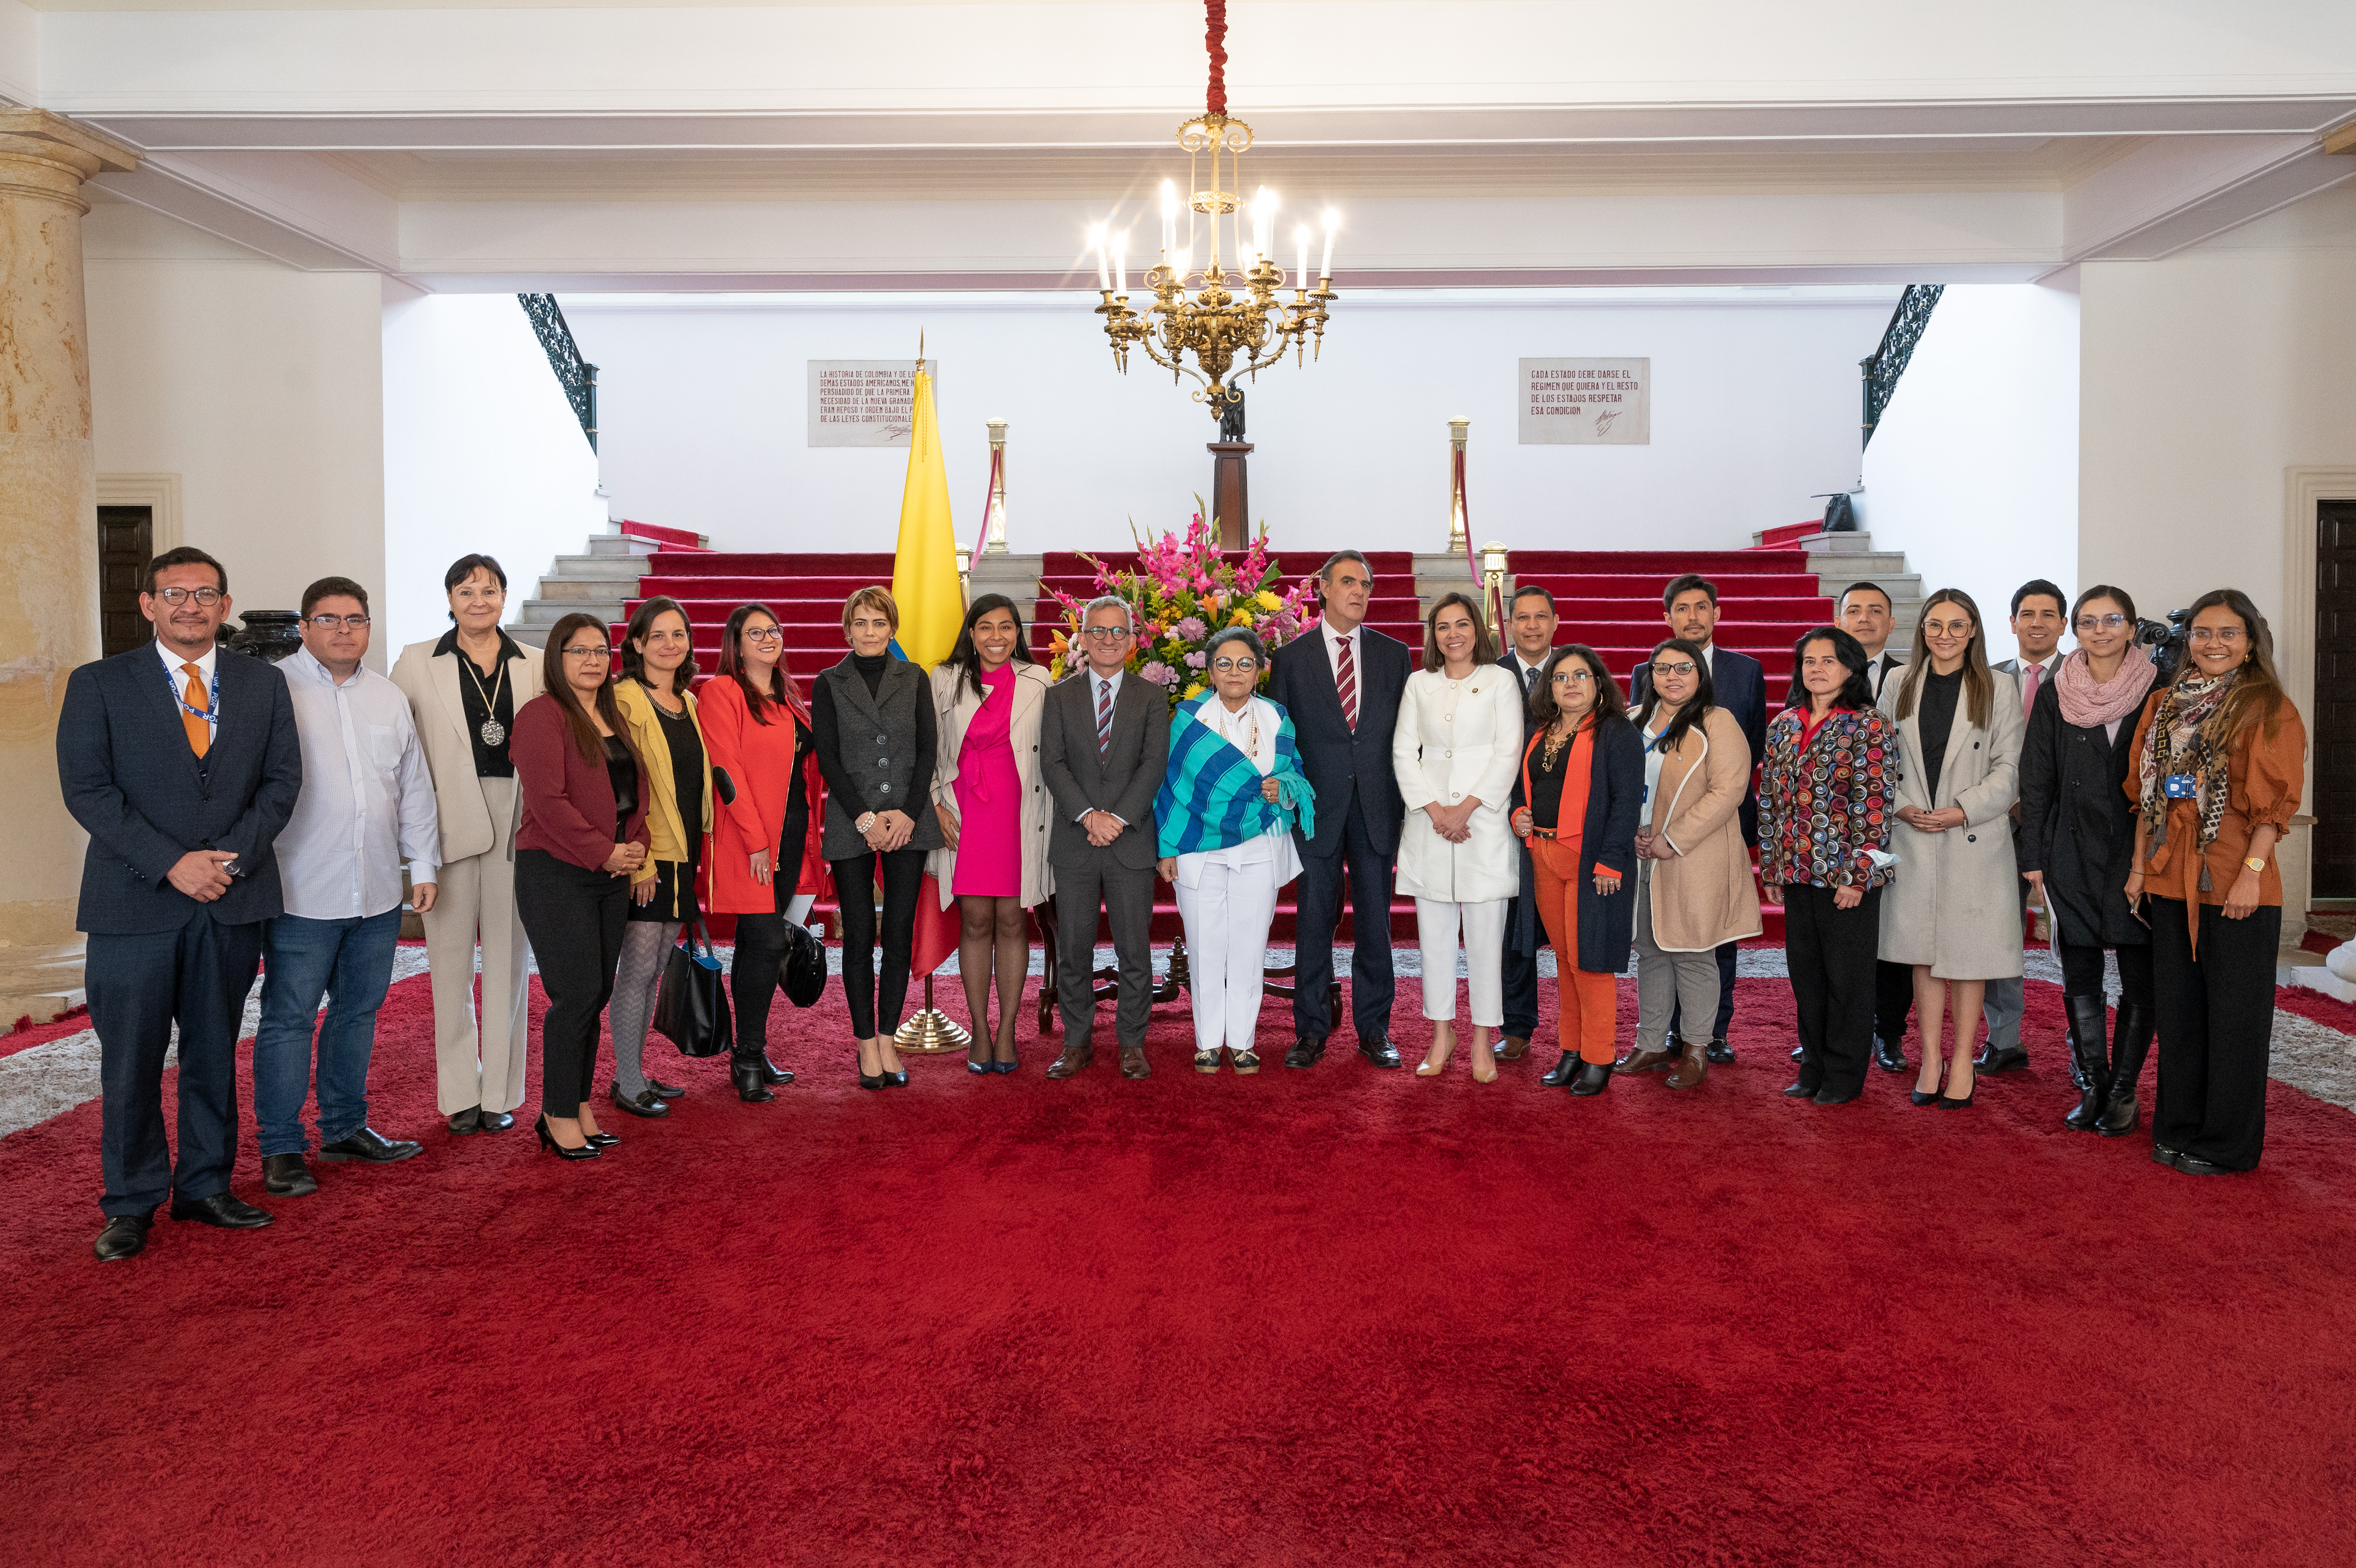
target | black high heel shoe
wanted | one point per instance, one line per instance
(600, 1140)
(547, 1140)
(1947, 1102)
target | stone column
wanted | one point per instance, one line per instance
(49, 539)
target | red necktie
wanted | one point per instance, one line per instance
(2029, 690)
(1345, 683)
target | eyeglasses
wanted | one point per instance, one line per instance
(1682, 667)
(206, 599)
(587, 651)
(330, 623)
(1107, 633)
(2217, 634)
(765, 634)
(1245, 665)
(1573, 677)
(2102, 623)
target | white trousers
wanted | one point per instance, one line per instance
(477, 897)
(1228, 915)
(1483, 925)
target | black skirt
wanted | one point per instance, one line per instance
(674, 897)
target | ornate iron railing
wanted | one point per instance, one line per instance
(576, 375)
(1887, 362)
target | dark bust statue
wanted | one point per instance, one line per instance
(1231, 416)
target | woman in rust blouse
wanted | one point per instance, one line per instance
(2220, 753)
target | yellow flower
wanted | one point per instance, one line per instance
(1241, 617)
(1192, 691)
(1267, 601)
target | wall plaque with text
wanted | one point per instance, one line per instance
(1586, 403)
(864, 402)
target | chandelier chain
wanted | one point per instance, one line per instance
(1214, 14)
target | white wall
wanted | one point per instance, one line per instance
(481, 453)
(1974, 469)
(1754, 410)
(259, 385)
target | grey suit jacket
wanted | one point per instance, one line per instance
(1122, 781)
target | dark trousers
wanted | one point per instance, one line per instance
(876, 1006)
(2082, 973)
(139, 987)
(761, 942)
(1521, 985)
(574, 918)
(1893, 999)
(1126, 896)
(1725, 1019)
(2216, 1017)
(1318, 908)
(1830, 952)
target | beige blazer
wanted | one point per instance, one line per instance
(1953, 900)
(439, 707)
(1705, 896)
(954, 706)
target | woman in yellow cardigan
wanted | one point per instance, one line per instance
(657, 664)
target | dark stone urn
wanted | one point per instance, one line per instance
(268, 634)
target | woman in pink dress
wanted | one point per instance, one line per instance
(988, 695)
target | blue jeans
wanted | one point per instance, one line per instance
(350, 963)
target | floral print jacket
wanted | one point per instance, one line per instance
(1823, 799)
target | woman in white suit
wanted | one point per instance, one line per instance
(1455, 749)
(1953, 910)
(464, 692)
(987, 698)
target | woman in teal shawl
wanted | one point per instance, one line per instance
(1229, 806)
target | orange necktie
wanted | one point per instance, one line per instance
(199, 726)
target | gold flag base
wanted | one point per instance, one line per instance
(932, 1032)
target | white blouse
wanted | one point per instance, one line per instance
(1251, 730)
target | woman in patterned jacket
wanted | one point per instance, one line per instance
(1824, 789)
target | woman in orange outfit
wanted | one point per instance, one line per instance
(1582, 782)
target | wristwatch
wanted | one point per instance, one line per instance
(2254, 863)
(865, 822)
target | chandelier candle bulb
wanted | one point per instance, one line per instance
(1120, 263)
(1104, 275)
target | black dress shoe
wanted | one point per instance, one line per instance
(1564, 1069)
(547, 1140)
(1889, 1055)
(771, 1072)
(646, 1102)
(2193, 1165)
(1827, 1097)
(495, 1121)
(673, 1091)
(1379, 1050)
(2163, 1155)
(369, 1144)
(222, 1210)
(286, 1176)
(752, 1088)
(1305, 1053)
(1798, 1051)
(1719, 1052)
(467, 1122)
(2009, 1059)
(1922, 1097)
(1802, 1089)
(1593, 1078)
(124, 1236)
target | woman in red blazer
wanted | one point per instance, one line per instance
(584, 832)
(766, 866)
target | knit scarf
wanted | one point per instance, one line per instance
(2090, 704)
(1211, 796)
(2178, 741)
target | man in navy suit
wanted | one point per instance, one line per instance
(1739, 685)
(182, 761)
(1341, 685)
(1532, 623)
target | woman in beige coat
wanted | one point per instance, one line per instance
(988, 700)
(1694, 888)
(1953, 910)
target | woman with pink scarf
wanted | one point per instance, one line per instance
(2077, 842)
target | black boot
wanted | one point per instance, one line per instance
(2089, 1055)
(745, 1072)
(771, 1072)
(1563, 1071)
(2128, 1048)
(1593, 1078)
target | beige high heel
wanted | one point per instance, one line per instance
(1435, 1060)
(1480, 1050)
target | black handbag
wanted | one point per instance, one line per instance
(692, 1010)
(801, 972)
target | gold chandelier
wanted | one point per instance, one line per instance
(1235, 324)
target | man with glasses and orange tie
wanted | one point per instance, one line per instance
(184, 765)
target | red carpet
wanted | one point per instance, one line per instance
(1333, 1317)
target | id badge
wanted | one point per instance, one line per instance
(2180, 786)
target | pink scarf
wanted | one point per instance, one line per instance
(2087, 703)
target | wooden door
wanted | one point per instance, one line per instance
(126, 541)
(2333, 722)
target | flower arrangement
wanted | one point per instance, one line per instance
(1182, 590)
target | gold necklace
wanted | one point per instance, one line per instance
(1554, 745)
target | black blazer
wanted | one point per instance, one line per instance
(132, 780)
(1122, 779)
(1738, 684)
(2077, 825)
(1615, 795)
(1335, 756)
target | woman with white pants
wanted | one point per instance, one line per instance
(1225, 814)
(1455, 749)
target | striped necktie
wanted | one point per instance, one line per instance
(1346, 684)
(1104, 716)
(197, 724)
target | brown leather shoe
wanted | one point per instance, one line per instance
(1641, 1060)
(1133, 1063)
(1513, 1049)
(1074, 1057)
(1693, 1067)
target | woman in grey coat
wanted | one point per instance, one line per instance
(1952, 910)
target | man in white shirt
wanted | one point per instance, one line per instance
(1533, 626)
(367, 804)
(2038, 612)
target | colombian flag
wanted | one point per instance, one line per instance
(932, 612)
